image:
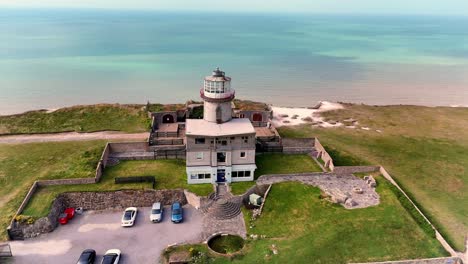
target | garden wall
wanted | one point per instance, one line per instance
(20, 231)
(355, 169)
(121, 199)
(129, 147)
(323, 154)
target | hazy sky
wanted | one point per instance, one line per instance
(441, 7)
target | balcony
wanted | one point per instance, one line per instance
(217, 97)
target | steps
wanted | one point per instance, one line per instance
(221, 204)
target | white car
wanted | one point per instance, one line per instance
(112, 256)
(128, 218)
(156, 213)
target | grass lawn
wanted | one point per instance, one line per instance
(170, 174)
(276, 163)
(128, 118)
(424, 148)
(21, 165)
(307, 229)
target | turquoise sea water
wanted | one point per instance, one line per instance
(53, 58)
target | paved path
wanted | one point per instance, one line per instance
(72, 136)
(333, 184)
(142, 243)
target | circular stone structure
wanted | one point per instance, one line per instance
(225, 244)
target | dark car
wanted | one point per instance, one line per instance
(176, 212)
(87, 256)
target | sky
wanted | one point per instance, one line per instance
(438, 7)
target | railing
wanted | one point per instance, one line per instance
(218, 97)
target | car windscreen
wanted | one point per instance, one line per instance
(176, 211)
(109, 259)
(85, 256)
(156, 211)
(128, 215)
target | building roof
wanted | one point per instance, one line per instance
(201, 127)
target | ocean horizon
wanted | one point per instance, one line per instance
(51, 58)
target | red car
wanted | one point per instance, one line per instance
(63, 219)
(70, 212)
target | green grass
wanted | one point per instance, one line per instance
(275, 163)
(423, 148)
(307, 229)
(128, 118)
(170, 174)
(21, 165)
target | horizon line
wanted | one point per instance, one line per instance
(265, 12)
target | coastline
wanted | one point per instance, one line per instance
(54, 109)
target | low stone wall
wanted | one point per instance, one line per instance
(323, 154)
(355, 169)
(66, 181)
(129, 147)
(122, 199)
(42, 225)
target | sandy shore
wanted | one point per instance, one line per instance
(291, 116)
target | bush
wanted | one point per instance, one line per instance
(25, 219)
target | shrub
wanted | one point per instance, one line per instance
(25, 219)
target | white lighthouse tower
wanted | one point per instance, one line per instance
(217, 96)
(219, 148)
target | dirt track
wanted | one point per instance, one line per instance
(72, 136)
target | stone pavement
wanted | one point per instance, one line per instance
(341, 187)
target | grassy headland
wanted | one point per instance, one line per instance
(89, 118)
(22, 164)
(424, 148)
(307, 229)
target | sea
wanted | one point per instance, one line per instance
(50, 58)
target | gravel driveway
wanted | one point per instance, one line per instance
(142, 243)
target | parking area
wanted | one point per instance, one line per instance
(142, 243)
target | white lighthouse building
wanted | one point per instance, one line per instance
(219, 148)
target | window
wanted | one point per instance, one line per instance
(246, 139)
(242, 154)
(199, 140)
(204, 176)
(200, 176)
(232, 138)
(241, 116)
(221, 156)
(240, 174)
(224, 142)
(199, 155)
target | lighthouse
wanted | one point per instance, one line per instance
(217, 97)
(219, 148)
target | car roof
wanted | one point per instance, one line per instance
(176, 205)
(156, 206)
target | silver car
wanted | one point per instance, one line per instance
(156, 213)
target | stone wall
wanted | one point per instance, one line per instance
(66, 181)
(129, 147)
(18, 231)
(355, 169)
(298, 145)
(122, 199)
(323, 154)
